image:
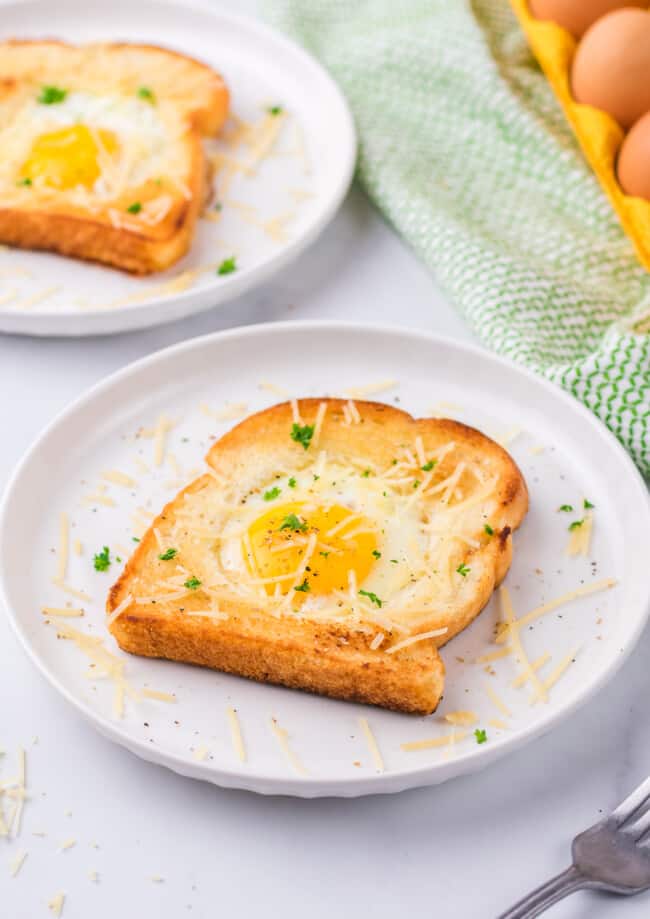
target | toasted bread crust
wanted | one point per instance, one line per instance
(207, 117)
(71, 230)
(301, 655)
(330, 658)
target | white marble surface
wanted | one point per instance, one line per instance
(466, 849)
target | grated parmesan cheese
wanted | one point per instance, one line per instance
(61, 611)
(67, 588)
(231, 411)
(514, 626)
(355, 417)
(273, 388)
(235, 734)
(56, 904)
(283, 739)
(463, 719)
(118, 478)
(433, 742)
(580, 537)
(406, 642)
(119, 609)
(371, 389)
(507, 438)
(372, 744)
(555, 675)
(64, 543)
(318, 423)
(156, 694)
(524, 676)
(17, 862)
(568, 597)
(160, 438)
(38, 297)
(493, 655)
(498, 702)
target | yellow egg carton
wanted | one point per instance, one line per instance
(598, 134)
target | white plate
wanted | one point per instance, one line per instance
(304, 179)
(99, 432)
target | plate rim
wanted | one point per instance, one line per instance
(198, 300)
(315, 786)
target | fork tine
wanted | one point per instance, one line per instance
(638, 827)
(633, 802)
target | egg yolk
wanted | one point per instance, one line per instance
(68, 156)
(277, 542)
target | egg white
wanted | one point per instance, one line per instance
(400, 541)
(146, 134)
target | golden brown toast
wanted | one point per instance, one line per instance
(102, 154)
(331, 547)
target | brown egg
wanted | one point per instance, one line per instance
(633, 167)
(611, 67)
(577, 15)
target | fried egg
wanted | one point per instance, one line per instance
(101, 144)
(318, 538)
(348, 513)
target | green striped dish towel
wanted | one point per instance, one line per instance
(466, 151)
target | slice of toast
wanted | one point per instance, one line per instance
(102, 154)
(430, 504)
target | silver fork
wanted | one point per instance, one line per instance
(613, 855)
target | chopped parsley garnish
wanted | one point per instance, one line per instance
(218, 207)
(488, 529)
(168, 555)
(429, 466)
(292, 482)
(274, 110)
(567, 508)
(324, 554)
(50, 95)
(481, 735)
(575, 525)
(272, 493)
(394, 561)
(376, 553)
(417, 483)
(135, 538)
(365, 474)
(145, 93)
(102, 560)
(372, 597)
(463, 570)
(228, 265)
(292, 522)
(303, 588)
(587, 504)
(302, 433)
(134, 208)
(25, 181)
(192, 583)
